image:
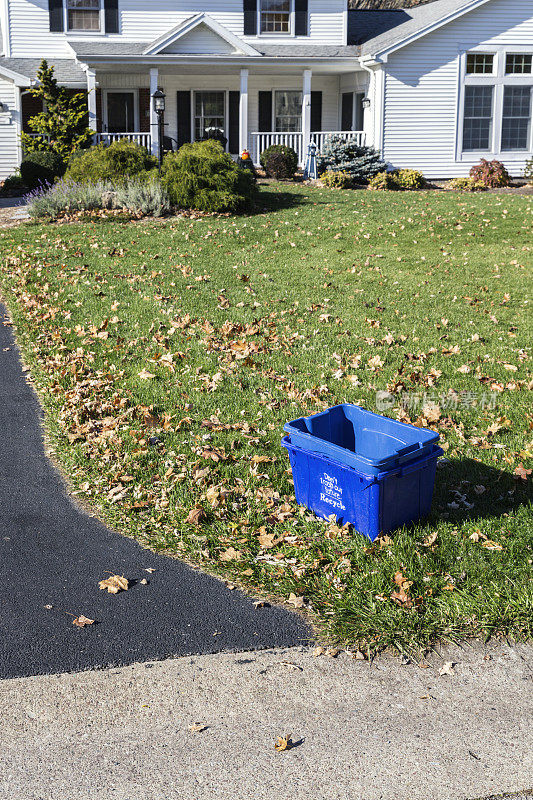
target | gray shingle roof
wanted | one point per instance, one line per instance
(414, 21)
(67, 71)
(94, 49)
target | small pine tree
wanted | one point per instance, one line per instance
(62, 126)
(345, 155)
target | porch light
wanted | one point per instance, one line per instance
(159, 98)
(365, 102)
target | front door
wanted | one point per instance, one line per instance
(120, 112)
(209, 114)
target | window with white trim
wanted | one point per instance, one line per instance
(275, 16)
(477, 124)
(516, 118)
(83, 15)
(287, 111)
(518, 64)
(480, 64)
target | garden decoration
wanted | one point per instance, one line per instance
(245, 161)
(310, 171)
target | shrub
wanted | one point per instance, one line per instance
(279, 166)
(116, 162)
(383, 181)
(345, 155)
(202, 176)
(528, 170)
(41, 166)
(409, 179)
(336, 179)
(466, 185)
(290, 157)
(491, 173)
(146, 197)
(13, 185)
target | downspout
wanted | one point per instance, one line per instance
(371, 87)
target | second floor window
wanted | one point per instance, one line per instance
(83, 15)
(275, 16)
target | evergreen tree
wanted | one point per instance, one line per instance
(62, 126)
(345, 155)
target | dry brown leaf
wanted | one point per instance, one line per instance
(431, 539)
(230, 555)
(283, 743)
(297, 602)
(490, 545)
(143, 582)
(198, 727)
(114, 584)
(195, 515)
(521, 472)
(145, 375)
(82, 621)
(447, 668)
(319, 651)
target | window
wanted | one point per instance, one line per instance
(518, 64)
(209, 113)
(83, 15)
(288, 111)
(275, 16)
(477, 126)
(516, 120)
(120, 112)
(479, 64)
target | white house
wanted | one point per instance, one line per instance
(434, 87)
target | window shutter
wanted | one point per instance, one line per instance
(300, 17)
(184, 118)
(347, 111)
(316, 111)
(55, 10)
(111, 16)
(233, 122)
(249, 8)
(265, 112)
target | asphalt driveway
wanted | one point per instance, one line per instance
(53, 554)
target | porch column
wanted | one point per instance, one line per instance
(91, 99)
(306, 113)
(243, 112)
(154, 126)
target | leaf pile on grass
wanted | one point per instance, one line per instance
(169, 357)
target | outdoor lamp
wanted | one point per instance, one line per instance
(365, 102)
(159, 101)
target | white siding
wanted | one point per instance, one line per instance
(200, 40)
(422, 85)
(30, 35)
(8, 131)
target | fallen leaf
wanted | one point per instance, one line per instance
(230, 555)
(319, 651)
(283, 743)
(490, 545)
(114, 584)
(145, 375)
(198, 727)
(144, 582)
(521, 472)
(297, 602)
(431, 539)
(82, 621)
(195, 515)
(150, 569)
(261, 604)
(447, 668)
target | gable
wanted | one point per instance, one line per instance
(200, 40)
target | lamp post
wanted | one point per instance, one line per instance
(159, 107)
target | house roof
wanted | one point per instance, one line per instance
(413, 22)
(67, 71)
(91, 50)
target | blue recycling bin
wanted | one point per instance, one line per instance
(368, 470)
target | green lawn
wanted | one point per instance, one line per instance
(169, 354)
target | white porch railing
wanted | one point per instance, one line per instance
(260, 141)
(143, 139)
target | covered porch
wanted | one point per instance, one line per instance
(252, 106)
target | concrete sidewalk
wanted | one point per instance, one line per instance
(377, 731)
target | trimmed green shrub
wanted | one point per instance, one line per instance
(117, 162)
(345, 155)
(409, 179)
(290, 157)
(40, 167)
(13, 185)
(528, 170)
(491, 173)
(466, 185)
(384, 181)
(336, 179)
(203, 177)
(279, 166)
